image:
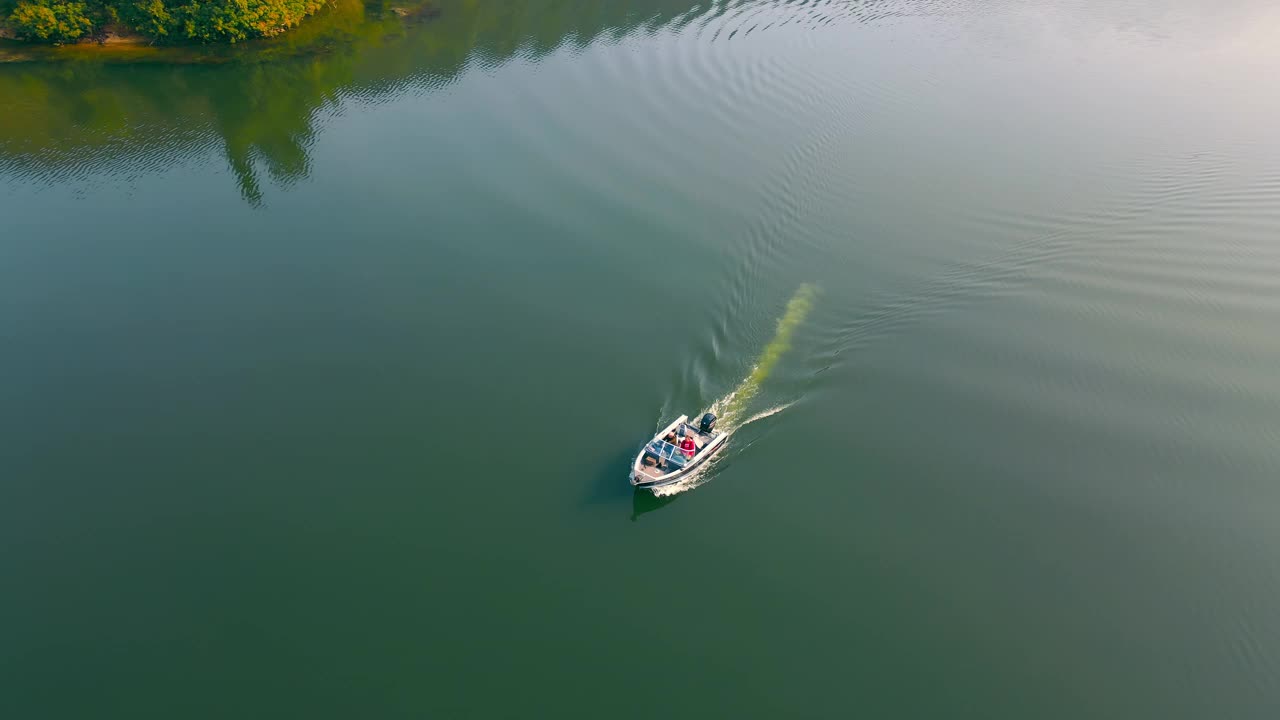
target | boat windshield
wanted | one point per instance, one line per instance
(664, 450)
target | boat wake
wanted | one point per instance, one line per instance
(766, 413)
(798, 308)
(732, 406)
(705, 472)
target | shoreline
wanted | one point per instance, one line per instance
(113, 42)
(114, 34)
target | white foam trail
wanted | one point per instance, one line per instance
(701, 474)
(764, 414)
(686, 483)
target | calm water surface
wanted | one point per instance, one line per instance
(322, 363)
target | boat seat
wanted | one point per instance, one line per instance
(698, 438)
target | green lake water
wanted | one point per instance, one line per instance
(323, 362)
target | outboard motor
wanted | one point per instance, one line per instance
(708, 423)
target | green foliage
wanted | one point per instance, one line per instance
(149, 17)
(50, 20)
(199, 20)
(235, 20)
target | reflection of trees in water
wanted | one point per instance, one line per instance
(259, 102)
(265, 114)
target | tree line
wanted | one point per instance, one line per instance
(62, 21)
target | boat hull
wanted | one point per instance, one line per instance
(675, 477)
(643, 480)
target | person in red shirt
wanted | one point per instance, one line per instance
(688, 446)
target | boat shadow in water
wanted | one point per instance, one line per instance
(644, 501)
(610, 486)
